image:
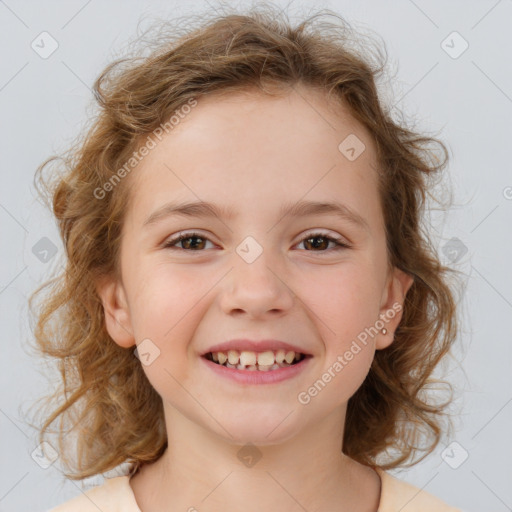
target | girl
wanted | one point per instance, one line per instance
(251, 313)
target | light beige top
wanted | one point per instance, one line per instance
(116, 495)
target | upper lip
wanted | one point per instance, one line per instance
(254, 346)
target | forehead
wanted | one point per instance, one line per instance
(253, 149)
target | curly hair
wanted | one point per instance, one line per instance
(104, 395)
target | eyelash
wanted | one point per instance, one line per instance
(340, 244)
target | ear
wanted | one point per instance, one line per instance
(117, 313)
(391, 310)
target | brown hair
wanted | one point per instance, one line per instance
(105, 396)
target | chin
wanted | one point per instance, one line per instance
(270, 430)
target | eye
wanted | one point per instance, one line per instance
(192, 241)
(322, 240)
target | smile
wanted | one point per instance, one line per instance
(255, 361)
(251, 368)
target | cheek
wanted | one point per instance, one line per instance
(346, 302)
(164, 301)
(167, 308)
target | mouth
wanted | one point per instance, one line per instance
(266, 361)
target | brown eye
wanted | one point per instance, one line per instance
(314, 242)
(193, 242)
(189, 241)
(319, 242)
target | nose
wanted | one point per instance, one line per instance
(256, 289)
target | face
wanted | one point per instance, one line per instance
(313, 279)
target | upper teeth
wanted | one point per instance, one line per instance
(248, 358)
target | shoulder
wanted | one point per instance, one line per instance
(397, 495)
(114, 495)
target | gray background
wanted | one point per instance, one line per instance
(45, 102)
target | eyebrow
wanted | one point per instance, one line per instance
(299, 209)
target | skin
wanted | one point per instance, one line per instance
(253, 153)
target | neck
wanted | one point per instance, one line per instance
(205, 471)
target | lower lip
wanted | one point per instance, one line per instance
(258, 376)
